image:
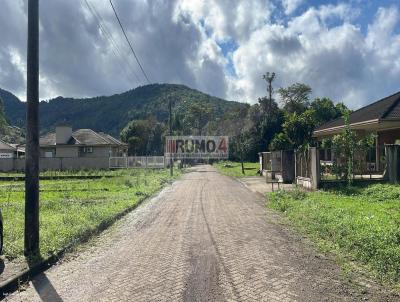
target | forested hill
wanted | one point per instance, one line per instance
(111, 113)
(13, 107)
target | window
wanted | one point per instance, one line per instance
(88, 150)
(48, 154)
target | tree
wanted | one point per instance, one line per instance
(143, 136)
(269, 78)
(295, 98)
(268, 124)
(3, 122)
(199, 114)
(236, 125)
(299, 127)
(301, 116)
(325, 110)
(343, 145)
(280, 142)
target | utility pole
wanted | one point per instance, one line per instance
(32, 133)
(269, 78)
(171, 161)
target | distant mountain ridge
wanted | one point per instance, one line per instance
(13, 107)
(111, 113)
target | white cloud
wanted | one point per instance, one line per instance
(338, 61)
(226, 19)
(290, 6)
(184, 41)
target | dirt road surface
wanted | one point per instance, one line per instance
(204, 238)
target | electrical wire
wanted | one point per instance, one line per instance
(108, 36)
(129, 43)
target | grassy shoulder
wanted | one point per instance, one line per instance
(234, 169)
(68, 208)
(363, 223)
(87, 172)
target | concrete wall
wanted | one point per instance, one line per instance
(44, 150)
(76, 151)
(276, 161)
(67, 151)
(393, 163)
(98, 151)
(312, 182)
(6, 164)
(288, 166)
(65, 163)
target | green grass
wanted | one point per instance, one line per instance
(360, 222)
(89, 172)
(68, 208)
(234, 169)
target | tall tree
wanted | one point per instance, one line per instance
(240, 133)
(295, 98)
(269, 78)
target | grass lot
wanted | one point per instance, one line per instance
(363, 223)
(68, 208)
(234, 169)
(116, 172)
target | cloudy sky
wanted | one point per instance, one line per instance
(346, 50)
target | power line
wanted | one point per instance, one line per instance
(108, 36)
(104, 36)
(130, 45)
(107, 33)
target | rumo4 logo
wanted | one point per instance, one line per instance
(197, 147)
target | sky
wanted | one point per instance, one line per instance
(346, 50)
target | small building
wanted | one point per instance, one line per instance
(11, 150)
(382, 118)
(80, 143)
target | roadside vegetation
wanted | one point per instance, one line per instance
(57, 173)
(234, 169)
(360, 222)
(69, 208)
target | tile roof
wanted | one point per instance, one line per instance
(110, 139)
(85, 137)
(48, 139)
(385, 109)
(5, 146)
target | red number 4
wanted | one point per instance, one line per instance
(222, 145)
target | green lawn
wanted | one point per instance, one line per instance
(116, 172)
(68, 208)
(363, 223)
(234, 169)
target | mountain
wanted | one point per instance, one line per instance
(111, 113)
(10, 134)
(13, 107)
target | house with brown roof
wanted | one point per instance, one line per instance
(66, 143)
(381, 118)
